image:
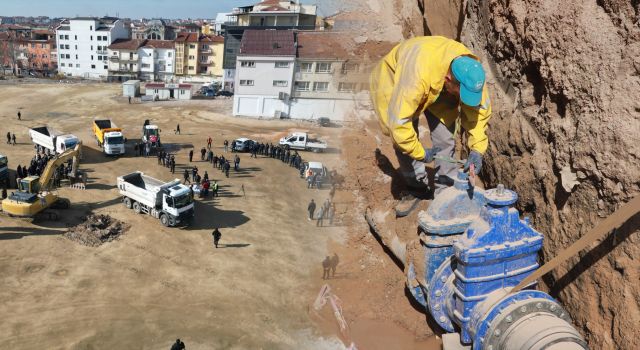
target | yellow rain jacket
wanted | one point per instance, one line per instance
(409, 80)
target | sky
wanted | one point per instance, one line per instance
(136, 8)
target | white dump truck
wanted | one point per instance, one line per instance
(301, 141)
(53, 140)
(170, 202)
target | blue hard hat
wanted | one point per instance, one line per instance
(471, 76)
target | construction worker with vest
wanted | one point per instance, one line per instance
(441, 78)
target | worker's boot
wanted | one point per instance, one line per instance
(410, 200)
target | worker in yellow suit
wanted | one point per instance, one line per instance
(441, 78)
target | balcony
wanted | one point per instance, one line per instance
(101, 52)
(124, 60)
(206, 51)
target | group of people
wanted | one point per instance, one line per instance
(326, 211)
(39, 163)
(143, 148)
(200, 184)
(11, 138)
(167, 160)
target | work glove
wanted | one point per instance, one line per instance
(475, 158)
(429, 153)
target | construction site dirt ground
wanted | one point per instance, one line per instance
(155, 284)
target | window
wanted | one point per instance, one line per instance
(321, 86)
(250, 64)
(99, 38)
(323, 67)
(347, 87)
(76, 47)
(205, 47)
(99, 58)
(91, 37)
(62, 64)
(90, 27)
(306, 67)
(61, 37)
(246, 82)
(68, 47)
(191, 57)
(203, 58)
(68, 56)
(105, 66)
(33, 46)
(349, 67)
(168, 54)
(104, 38)
(190, 67)
(42, 46)
(280, 83)
(91, 47)
(92, 57)
(66, 37)
(76, 56)
(302, 86)
(146, 65)
(182, 91)
(282, 64)
(93, 66)
(203, 69)
(78, 65)
(192, 46)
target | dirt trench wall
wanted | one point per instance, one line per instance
(566, 136)
(565, 81)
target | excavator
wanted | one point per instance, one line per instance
(35, 193)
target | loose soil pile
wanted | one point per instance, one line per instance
(96, 230)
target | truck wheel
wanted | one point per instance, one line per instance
(164, 220)
(127, 203)
(136, 208)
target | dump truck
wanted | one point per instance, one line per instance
(35, 193)
(53, 140)
(151, 134)
(4, 171)
(109, 136)
(170, 202)
(302, 141)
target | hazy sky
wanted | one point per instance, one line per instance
(136, 8)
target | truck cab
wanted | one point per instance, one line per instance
(113, 142)
(65, 142)
(177, 202)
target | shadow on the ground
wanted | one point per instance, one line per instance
(7, 233)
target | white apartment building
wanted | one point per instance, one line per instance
(124, 61)
(82, 45)
(264, 73)
(157, 60)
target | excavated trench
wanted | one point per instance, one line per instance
(565, 134)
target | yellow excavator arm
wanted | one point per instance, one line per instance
(47, 174)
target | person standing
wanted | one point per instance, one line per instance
(216, 236)
(444, 80)
(194, 173)
(214, 189)
(226, 146)
(129, 99)
(147, 149)
(14, 139)
(203, 152)
(227, 166)
(19, 115)
(209, 142)
(190, 156)
(326, 266)
(177, 130)
(332, 213)
(311, 208)
(8, 138)
(178, 345)
(334, 264)
(186, 177)
(325, 207)
(173, 165)
(320, 217)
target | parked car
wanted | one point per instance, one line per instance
(302, 141)
(242, 144)
(324, 121)
(224, 93)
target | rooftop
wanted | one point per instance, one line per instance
(319, 45)
(126, 44)
(159, 44)
(268, 43)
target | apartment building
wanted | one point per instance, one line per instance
(210, 54)
(264, 74)
(82, 44)
(326, 77)
(34, 53)
(157, 60)
(186, 45)
(124, 59)
(268, 14)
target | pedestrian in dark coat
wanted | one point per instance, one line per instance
(186, 176)
(190, 156)
(311, 208)
(326, 265)
(216, 236)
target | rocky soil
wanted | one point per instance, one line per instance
(96, 230)
(565, 82)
